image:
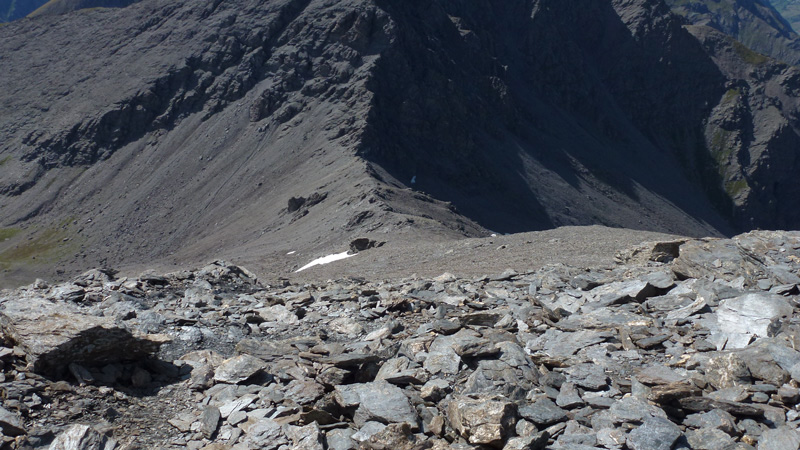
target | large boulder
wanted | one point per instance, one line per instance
(53, 335)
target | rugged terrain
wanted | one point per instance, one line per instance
(179, 132)
(755, 23)
(672, 344)
(790, 10)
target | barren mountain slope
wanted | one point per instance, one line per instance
(755, 23)
(178, 132)
(790, 9)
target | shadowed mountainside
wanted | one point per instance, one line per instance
(178, 132)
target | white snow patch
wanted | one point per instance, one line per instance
(326, 260)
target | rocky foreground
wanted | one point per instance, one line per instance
(682, 344)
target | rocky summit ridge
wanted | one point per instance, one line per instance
(679, 344)
(178, 132)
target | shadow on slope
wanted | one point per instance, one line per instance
(537, 114)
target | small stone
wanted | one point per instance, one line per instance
(307, 437)
(140, 377)
(434, 390)
(655, 433)
(210, 420)
(340, 439)
(727, 370)
(265, 434)
(237, 404)
(346, 326)
(709, 439)
(367, 430)
(82, 437)
(781, 438)
(716, 418)
(568, 396)
(10, 424)
(543, 412)
(238, 369)
(536, 441)
(483, 421)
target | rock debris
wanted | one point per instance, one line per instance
(697, 350)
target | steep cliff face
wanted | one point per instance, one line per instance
(753, 132)
(790, 10)
(754, 23)
(179, 131)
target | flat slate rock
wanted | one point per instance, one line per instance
(703, 404)
(655, 433)
(543, 412)
(377, 401)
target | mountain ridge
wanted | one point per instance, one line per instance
(213, 115)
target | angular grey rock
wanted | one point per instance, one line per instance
(727, 370)
(710, 439)
(655, 433)
(760, 315)
(340, 439)
(210, 421)
(238, 369)
(10, 424)
(543, 412)
(366, 431)
(82, 437)
(716, 418)
(781, 438)
(53, 335)
(535, 441)
(764, 365)
(307, 437)
(279, 314)
(702, 404)
(589, 376)
(631, 409)
(714, 258)
(304, 391)
(482, 421)
(395, 436)
(377, 401)
(265, 434)
(435, 389)
(568, 396)
(442, 358)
